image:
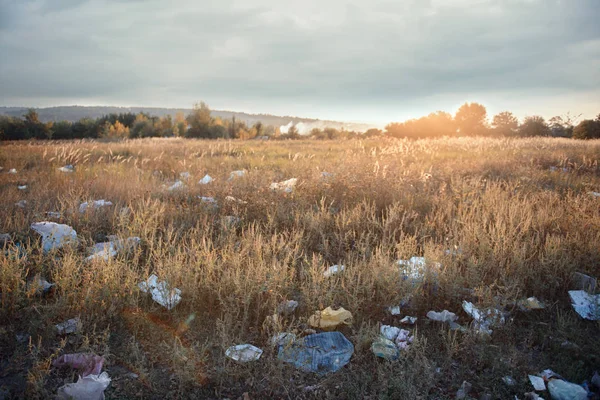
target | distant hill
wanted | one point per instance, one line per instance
(75, 113)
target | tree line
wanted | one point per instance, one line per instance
(471, 119)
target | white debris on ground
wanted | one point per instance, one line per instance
(12, 171)
(39, 285)
(21, 203)
(243, 353)
(529, 304)
(408, 320)
(69, 326)
(83, 207)
(394, 310)
(206, 180)
(483, 320)
(185, 175)
(401, 337)
(415, 268)
(282, 339)
(333, 270)
(237, 174)
(284, 186)
(90, 387)
(22, 187)
(54, 236)
(443, 316)
(178, 185)
(107, 250)
(53, 214)
(585, 304)
(161, 293)
(67, 168)
(594, 194)
(537, 383)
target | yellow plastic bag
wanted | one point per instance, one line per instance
(329, 319)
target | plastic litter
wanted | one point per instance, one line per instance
(333, 270)
(594, 194)
(537, 383)
(408, 320)
(563, 390)
(287, 307)
(53, 214)
(21, 203)
(443, 316)
(178, 185)
(107, 250)
(282, 339)
(329, 319)
(403, 339)
(389, 332)
(394, 310)
(529, 304)
(161, 293)
(87, 364)
(12, 171)
(284, 186)
(509, 381)
(415, 269)
(54, 236)
(244, 353)
(584, 282)
(22, 187)
(585, 304)
(95, 205)
(464, 390)
(484, 320)
(205, 180)
(69, 326)
(385, 348)
(67, 168)
(184, 175)
(90, 387)
(39, 285)
(237, 174)
(320, 353)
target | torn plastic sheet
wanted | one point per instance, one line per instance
(284, 186)
(385, 348)
(394, 310)
(585, 304)
(329, 319)
(537, 383)
(90, 387)
(69, 326)
(333, 270)
(67, 168)
(160, 292)
(87, 364)
(94, 205)
(237, 174)
(483, 319)
(320, 352)
(54, 236)
(108, 250)
(243, 353)
(205, 180)
(443, 316)
(408, 320)
(389, 332)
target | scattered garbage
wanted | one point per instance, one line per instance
(39, 285)
(284, 186)
(205, 180)
(509, 381)
(329, 319)
(333, 270)
(67, 168)
(585, 304)
(594, 194)
(563, 390)
(537, 383)
(444, 316)
(21, 203)
(237, 174)
(22, 187)
(95, 205)
(529, 304)
(464, 390)
(178, 185)
(234, 200)
(484, 320)
(87, 364)
(184, 175)
(394, 310)
(385, 348)
(107, 250)
(244, 353)
(389, 332)
(53, 214)
(287, 307)
(161, 293)
(320, 352)
(12, 171)
(4, 239)
(408, 320)
(69, 326)
(415, 269)
(282, 339)
(90, 387)
(403, 339)
(54, 236)
(584, 282)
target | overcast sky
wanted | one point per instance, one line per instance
(363, 60)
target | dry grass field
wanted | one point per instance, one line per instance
(516, 215)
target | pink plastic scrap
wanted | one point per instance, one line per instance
(87, 364)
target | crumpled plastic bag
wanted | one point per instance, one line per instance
(107, 250)
(415, 269)
(284, 186)
(87, 364)
(67, 168)
(237, 174)
(161, 293)
(68, 326)
(385, 348)
(90, 387)
(333, 270)
(243, 353)
(483, 319)
(443, 316)
(94, 205)
(205, 180)
(329, 319)
(178, 185)
(585, 304)
(529, 304)
(320, 352)
(54, 236)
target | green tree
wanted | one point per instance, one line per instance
(471, 119)
(534, 126)
(505, 124)
(587, 129)
(199, 121)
